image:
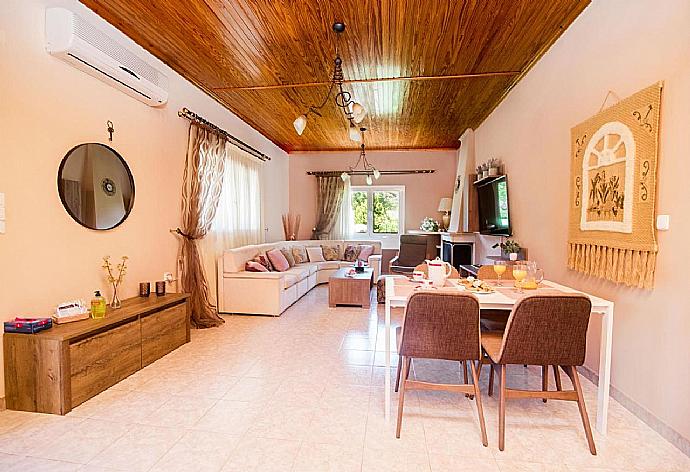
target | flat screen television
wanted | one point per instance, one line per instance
(494, 217)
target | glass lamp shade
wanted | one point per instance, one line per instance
(358, 112)
(345, 176)
(369, 180)
(377, 174)
(354, 133)
(300, 123)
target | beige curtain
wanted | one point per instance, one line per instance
(328, 202)
(238, 220)
(201, 190)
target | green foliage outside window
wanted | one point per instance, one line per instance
(385, 212)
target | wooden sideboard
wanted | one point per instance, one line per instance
(55, 370)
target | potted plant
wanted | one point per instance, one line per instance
(510, 247)
(494, 165)
(479, 173)
(485, 170)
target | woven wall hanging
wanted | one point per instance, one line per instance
(612, 232)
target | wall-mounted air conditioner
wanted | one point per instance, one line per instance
(85, 46)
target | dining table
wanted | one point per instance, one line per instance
(399, 288)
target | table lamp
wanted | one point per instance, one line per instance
(445, 206)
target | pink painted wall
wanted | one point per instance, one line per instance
(422, 192)
(47, 108)
(624, 46)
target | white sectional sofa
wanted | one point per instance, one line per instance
(271, 293)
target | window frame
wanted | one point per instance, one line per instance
(388, 240)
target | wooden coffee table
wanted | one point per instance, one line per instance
(355, 290)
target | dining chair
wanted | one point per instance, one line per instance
(440, 325)
(542, 330)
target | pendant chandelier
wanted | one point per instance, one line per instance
(367, 169)
(354, 112)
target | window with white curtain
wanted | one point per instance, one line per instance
(238, 219)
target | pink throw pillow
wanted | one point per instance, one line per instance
(278, 260)
(252, 266)
(365, 250)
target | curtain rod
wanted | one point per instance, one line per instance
(363, 172)
(191, 116)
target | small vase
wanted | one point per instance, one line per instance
(115, 302)
(513, 256)
(493, 171)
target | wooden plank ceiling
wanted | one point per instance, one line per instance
(222, 44)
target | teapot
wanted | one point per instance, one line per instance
(534, 276)
(438, 271)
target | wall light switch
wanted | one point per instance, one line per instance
(663, 222)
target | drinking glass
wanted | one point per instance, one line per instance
(499, 268)
(519, 274)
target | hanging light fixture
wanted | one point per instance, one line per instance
(354, 112)
(371, 172)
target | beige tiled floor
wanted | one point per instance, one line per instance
(303, 392)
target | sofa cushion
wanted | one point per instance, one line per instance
(288, 255)
(328, 265)
(313, 267)
(300, 254)
(300, 271)
(365, 250)
(315, 254)
(253, 266)
(331, 253)
(351, 252)
(278, 260)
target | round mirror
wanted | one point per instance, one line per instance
(96, 186)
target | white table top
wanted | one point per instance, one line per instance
(403, 288)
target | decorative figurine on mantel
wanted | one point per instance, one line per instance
(115, 281)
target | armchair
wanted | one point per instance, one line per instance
(414, 249)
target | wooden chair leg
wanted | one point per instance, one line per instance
(401, 400)
(409, 365)
(544, 380)
(502, 409)
(557, 376)
(491, 380)
(466, 379)
(478, 399)
(397, 373)
(572, 372)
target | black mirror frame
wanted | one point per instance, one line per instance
(131, 181)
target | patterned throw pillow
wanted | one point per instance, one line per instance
(288, 255)
(300, 254)
(365, 250)
(315, 254)
(263, 260)
(253, 266)
(278, 260)
(331, 253)
(351, 253)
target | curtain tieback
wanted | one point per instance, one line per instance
(185, 235)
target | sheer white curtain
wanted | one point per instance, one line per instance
(238, 220)
(341, 229)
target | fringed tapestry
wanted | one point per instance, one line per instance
(613, 188)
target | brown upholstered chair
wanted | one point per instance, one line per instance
(440, 325)
(414, 249)
(542, 330)
(454, 274)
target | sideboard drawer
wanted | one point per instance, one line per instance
(103, 360)
(163, 332)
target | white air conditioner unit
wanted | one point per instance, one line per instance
(85, 46)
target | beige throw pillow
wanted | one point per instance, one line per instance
(315, 254)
